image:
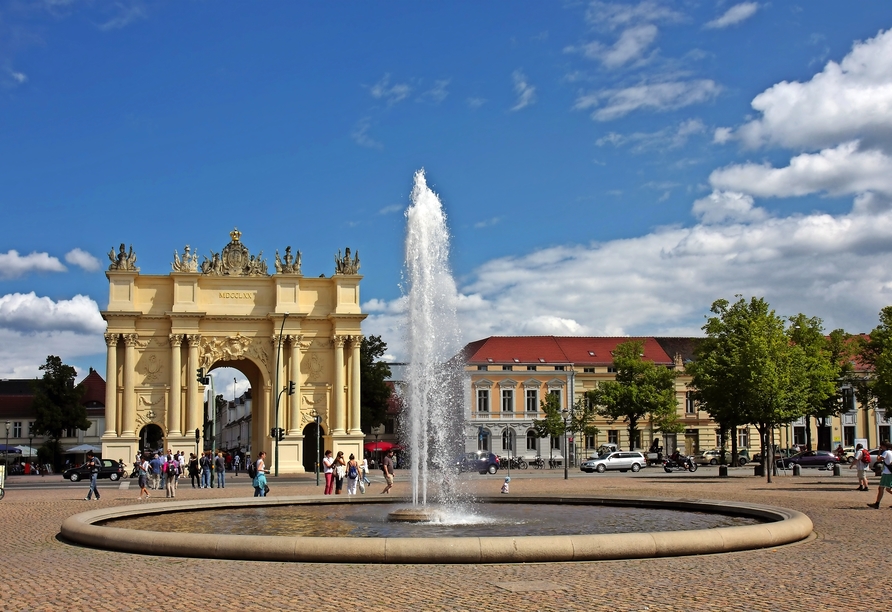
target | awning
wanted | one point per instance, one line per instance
(382, 445)
(84, 448)
(10, 449)
(27, 450)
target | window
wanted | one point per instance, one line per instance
(389, 425)
(611, 369)
(532, 400)
(556, 393)
(718, 439)
(590, 441)
(612, 436)
(559, 368)
(508, 440)
(531, 368)
(555, 442)
(743, 437)
(799, 435)
(508, 401)
(636, 442)
(483, 440)
(17, 429)
(31, 433)
(588, 370)
(70, 432)
(689, 406)
(482, 368)
(531, 441)
(482, 401)
(849, 435)
(507, 368)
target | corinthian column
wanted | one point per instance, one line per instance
(111, 385)
(294, 400)
(128, 412)
(355, 427)
(174, 414)
(339, 410)
(193, 401)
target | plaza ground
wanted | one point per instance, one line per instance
(838, 567)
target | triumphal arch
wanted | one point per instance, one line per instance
(275, 326)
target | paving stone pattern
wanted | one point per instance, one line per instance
(837, 568)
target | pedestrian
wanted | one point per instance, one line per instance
(259, 482)
(365, 471)
(95, 465)
(143, 476)
(205, 464)
(862, 462)
(328, 471)
(235, 463)
(220, 469)
(505, 484)
(171, 469)
(387, 468)
(340, 472)
(886, 477)
(194, 471)
(352, 474)
(156, 471)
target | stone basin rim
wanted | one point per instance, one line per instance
(782, 526)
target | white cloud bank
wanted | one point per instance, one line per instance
(13, 265)
(734, 15)
(837, 267)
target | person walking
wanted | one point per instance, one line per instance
(194, 471)
(387, 468)
(171, 469)
(205, 464)
(235, 463)
(862, 463)
(352, 474)
(259, 481)
(340, 472)
(155, 464)
(143, 476)
(95, 465)
(365, 471)
(328, 471)
(220, 469)
(886, 476)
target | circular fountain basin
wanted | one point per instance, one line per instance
(780, 526)
(414, 515)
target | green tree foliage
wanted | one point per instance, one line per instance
(748, 371)
(374, 390)
(58, 403)
(641, 389)
(553, 423)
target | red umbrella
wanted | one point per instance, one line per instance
(383, 445)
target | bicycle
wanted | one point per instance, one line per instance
(538, 463)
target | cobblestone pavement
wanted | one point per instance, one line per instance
(827, 572)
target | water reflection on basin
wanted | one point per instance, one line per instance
(490, 520)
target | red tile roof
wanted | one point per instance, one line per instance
(94, 386)
(555, 350)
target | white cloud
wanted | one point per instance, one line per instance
(360, 135)
(612, 15)
(26, 313)
(844, 169)
(393, 208)
(846, 101)
(722, 135)
(23, 354)
(128, 12)
(383, 90)
(487, 223)
(734, 15)
(475, 103)
(631, 46)
(671, 137)
(727, 206)
(526, 93)
(13, 265)
(79, 257)
(648, 96)
(437, 93)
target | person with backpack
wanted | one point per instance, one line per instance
(352, 474)
(340, 472)
(205, 464)
(886, 477)
(94, 464)
(862, 463)
(171, 471)
(259, 478)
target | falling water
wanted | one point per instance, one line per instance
(433, 391)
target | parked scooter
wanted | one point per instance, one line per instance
(684, 464)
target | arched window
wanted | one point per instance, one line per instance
(532, 441)
(483, 439)
(508, 440)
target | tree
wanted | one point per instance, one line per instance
(58, 403)
(748, 371)
(641, 389)
(374, 390)
(822, 369)
(877, 353)
(582, 420)
(553, 423)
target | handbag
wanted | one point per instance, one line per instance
(265, 489)
(361, 486)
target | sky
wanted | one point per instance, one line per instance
(606, 168)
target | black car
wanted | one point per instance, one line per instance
(481, 461)
(110, 469)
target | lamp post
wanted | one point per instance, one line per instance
(278, 391)
(6, 448)
(566, 413)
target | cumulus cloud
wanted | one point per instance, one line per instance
(734, 15)
(23, 354)
(725, 206)
(526, 93)
(27, 313)
(13, 265)
(383, 90)
(845, 101)
(615, 103)
(80, 258)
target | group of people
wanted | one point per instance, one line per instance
(337, 470)
(863, 463)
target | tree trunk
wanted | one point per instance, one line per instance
(807, 432)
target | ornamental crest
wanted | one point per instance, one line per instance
(235, 260)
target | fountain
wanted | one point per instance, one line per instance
(433, 433)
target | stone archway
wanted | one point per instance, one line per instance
(313, 450)
(165, 331)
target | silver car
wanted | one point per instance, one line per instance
(620, 460)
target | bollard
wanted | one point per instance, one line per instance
(723, 471)
(758, 470)
(837, 471)
(797, 469)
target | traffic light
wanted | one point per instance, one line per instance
(290, 387)
(277, 433)
(197, 434)
(201, 377)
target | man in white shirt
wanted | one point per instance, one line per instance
(886, 477)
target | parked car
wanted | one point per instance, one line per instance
(620, 460)
(813, 459)
(481, 461)
(110, 469)
(714, 457)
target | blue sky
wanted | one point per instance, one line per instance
(606, 168)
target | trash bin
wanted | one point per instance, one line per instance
(837, 471)
(758, 470)
(723, 471)
(797, 469)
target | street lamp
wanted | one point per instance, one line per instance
(278, 391)
(6, 448)
(566, 414)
